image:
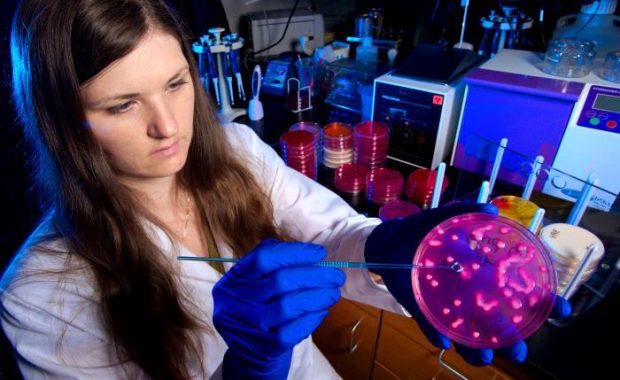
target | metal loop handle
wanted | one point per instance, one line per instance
(352, 344)
(449, 367)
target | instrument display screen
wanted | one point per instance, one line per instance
(607, 103)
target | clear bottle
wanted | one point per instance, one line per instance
(366, 51)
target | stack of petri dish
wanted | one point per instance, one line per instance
(316, 131)
(370, 144)
(397, 209)
(568, 245)
(350, 181)
(383, 185)
(299, 152)
(337, 144)
(420, 185)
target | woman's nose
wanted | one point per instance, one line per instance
(162, 123)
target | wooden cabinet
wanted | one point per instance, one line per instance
(363, 342)
(403, 350)
(348, 338)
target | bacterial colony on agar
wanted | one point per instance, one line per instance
(505, 291)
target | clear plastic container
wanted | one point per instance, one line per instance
(611, 67)
(366, 51)
(569, 57)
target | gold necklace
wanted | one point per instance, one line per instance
(187, 212)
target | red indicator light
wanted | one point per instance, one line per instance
(437, 100)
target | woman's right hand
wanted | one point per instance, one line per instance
(271, 300)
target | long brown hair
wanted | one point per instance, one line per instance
(57, 45)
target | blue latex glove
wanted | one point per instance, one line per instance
(271, 300)
(396, 241)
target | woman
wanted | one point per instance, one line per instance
(134, 170)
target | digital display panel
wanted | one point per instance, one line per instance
(607, 103)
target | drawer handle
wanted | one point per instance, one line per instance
(449, 367)
(352, 344)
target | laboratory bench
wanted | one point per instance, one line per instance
(363, 342)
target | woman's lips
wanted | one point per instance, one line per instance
(168, 150)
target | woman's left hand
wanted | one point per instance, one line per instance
(396, 241)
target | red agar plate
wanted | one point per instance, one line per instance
(505, 291)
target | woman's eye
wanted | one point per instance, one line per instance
(120, 108)
(175, 85)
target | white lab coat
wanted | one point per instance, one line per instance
(42, 308)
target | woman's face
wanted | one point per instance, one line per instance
(141, 109)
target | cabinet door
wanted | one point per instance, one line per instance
(348, 338)
(404, 353)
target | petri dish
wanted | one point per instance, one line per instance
(383, 185)
(568, 246)
(505, 291)
(350, 178)
(420, 185)
(370, 144)
(397, 209)
(516, 208)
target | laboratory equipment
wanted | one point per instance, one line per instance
(595, 22)
(441, 173)
(569, 57)
(235, 64)
(349, 87)
(503, 30)
(461, 44)
(218, 60)
(366, 51)
(299, 97)
(421, 102)
(383, 185)
(483, 194)
(572, 123)
(568, 246)
(276, 75)
(397, 209)
(505, 291)
(363, 26)
(266, 27)
(255, 107)
(369, 31)
(453, 267)
(369, 24)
